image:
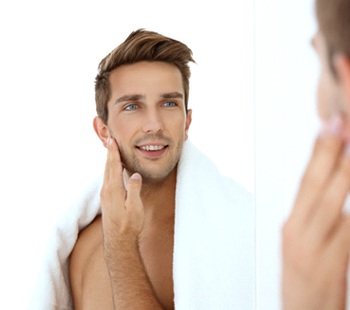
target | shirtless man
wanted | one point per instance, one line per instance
(163, 228)
(316, 236)
(143, 121)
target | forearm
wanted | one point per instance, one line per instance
(130, 283)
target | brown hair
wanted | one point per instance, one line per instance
(141, 45)
(333, 18)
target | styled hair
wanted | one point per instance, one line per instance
(333, 18)
(141, 45)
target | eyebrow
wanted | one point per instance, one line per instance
(172, 95)
(133, 97)
(136, 97)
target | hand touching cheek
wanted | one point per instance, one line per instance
(316, 236)
(122, 209)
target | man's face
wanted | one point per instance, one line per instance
(328, 99)
(147, 117)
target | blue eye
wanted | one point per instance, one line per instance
(169, 104)
(131, 107)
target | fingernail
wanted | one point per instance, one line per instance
(136, 176)
(332, 126)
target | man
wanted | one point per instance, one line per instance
(172, 231)
(316, 236)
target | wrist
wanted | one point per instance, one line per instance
(121, 247)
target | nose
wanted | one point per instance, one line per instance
(153, 121)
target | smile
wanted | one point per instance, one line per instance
(152, 147)
(153, 151)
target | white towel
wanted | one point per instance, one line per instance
(213, 265)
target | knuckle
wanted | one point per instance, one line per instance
(134, 183)
(132, 204)
(105, 191)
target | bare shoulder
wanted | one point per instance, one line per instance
(88, 271)
(88, 242)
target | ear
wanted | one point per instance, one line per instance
(101, 130)
(188, 122)
(342, 66)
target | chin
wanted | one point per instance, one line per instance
(151, 171)
(154, 178)
(154, 175)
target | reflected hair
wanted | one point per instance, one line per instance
(141, 45)
(333, 18)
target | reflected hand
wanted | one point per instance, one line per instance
(316, 236)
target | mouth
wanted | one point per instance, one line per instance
(152, 150)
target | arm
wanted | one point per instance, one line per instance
(131, 287)
(122, 223)
(316, 236)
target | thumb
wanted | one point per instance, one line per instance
(133, 188)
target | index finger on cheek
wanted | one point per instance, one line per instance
(333, 200)
(115, 165)
(325, 156)
(106, 172)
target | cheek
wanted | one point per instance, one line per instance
(179, 126)
(118, 129)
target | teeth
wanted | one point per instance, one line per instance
(152, 147)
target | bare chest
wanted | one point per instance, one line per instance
(156, 248)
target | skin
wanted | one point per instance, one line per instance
(316, 235)
(123, 259)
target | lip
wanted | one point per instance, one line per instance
(152, 154)
(152, 142)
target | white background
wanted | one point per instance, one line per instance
(286, 70)
(255, 73)
(48, 59)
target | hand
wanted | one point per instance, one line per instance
(122, 208)
(122, 223)
(316, 236)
